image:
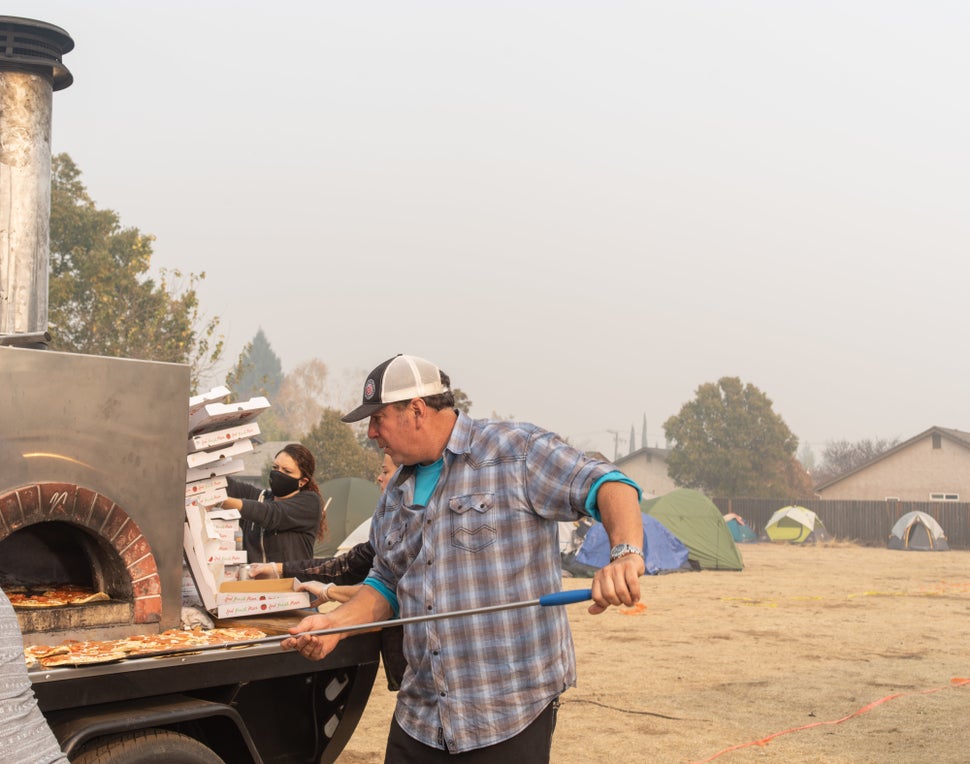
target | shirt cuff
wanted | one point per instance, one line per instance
(610, 477)
(385, 592)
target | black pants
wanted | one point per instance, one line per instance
(532, 745)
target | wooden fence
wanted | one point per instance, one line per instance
(865, 522)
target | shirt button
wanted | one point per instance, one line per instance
(434, 652)
(430, 607)
(443, 694)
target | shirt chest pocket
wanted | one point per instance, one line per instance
(472, 521)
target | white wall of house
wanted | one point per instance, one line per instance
(913, 473)
(648, 467)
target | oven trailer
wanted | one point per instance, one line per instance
(248, 705)
(92, 493)
(92, 476)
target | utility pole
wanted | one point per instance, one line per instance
(616, 443)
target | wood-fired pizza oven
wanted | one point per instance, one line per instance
(92, 474)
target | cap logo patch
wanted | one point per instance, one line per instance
(370, 389)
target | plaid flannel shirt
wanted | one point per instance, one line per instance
(488, 536)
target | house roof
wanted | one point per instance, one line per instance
(957, 436)
(650, 453)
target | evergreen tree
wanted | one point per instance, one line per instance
(258, 371)
(338, 452)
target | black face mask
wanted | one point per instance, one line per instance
(282, 484)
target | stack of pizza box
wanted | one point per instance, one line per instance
(220, 434)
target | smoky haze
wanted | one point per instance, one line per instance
(580, 210)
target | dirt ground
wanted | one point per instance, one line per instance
(834, 653)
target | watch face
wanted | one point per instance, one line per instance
(621, 550)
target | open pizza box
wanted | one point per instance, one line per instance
(214, 562)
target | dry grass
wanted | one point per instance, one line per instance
(792, 652)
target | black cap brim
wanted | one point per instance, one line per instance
(362, 412)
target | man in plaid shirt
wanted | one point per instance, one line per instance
(471, 521)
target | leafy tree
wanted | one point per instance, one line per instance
(729, 442)
(842, 456)
(101, 299)
(258, 371)
(337, 450)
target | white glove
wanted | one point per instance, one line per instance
(320, 591)
(263, 570)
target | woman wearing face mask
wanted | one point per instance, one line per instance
(281, 524)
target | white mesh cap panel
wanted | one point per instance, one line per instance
(408, 376)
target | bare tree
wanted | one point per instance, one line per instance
(841, 456)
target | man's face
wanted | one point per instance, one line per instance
(393, 429)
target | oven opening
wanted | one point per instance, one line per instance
(55, 555)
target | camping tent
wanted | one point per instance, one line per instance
(740, 531)
(797, 525)
(359, 535)
(918, 531)
(350, 501)
(694, 519)
(663, 552)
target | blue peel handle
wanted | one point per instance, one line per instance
(566, 598)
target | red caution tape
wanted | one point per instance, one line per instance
(955, 682)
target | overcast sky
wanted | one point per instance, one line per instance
(582, 211)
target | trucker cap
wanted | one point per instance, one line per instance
(400, 378)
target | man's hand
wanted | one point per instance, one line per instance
(617, 584)
(310, 647)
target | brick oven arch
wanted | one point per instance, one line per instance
(77, 505)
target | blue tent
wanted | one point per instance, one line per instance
(740, 532)
(663, 551)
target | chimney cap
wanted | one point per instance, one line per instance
(35, 46)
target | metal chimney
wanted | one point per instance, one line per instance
(30, 71)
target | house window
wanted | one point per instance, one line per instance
(892, 498)
(944, 497)
(937, 440)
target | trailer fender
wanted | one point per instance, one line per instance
(76, 726)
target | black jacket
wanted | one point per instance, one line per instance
(277, 530)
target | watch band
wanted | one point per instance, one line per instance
(621, 550)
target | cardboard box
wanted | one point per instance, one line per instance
(267, 603)
(203, 486)
(216, 416)
(200, 458)
(222, 437)
(198, 402)
(209, 499)
(218, 469)
(259, 585)
(202, 574)
(242, 598)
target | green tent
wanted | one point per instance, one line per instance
(349, 502)
(696, 521)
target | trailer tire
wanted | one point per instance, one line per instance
(151, 746)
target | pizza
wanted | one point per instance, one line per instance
(84, 653)
(26, 600)
(59, 596)
(81, 653)
(33, 653)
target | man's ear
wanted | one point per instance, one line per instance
(418, 409)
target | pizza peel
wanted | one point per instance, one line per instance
(547, 600)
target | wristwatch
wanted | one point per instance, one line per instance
(621, 550)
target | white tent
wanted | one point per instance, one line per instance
(918, 531)
(358, 535)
